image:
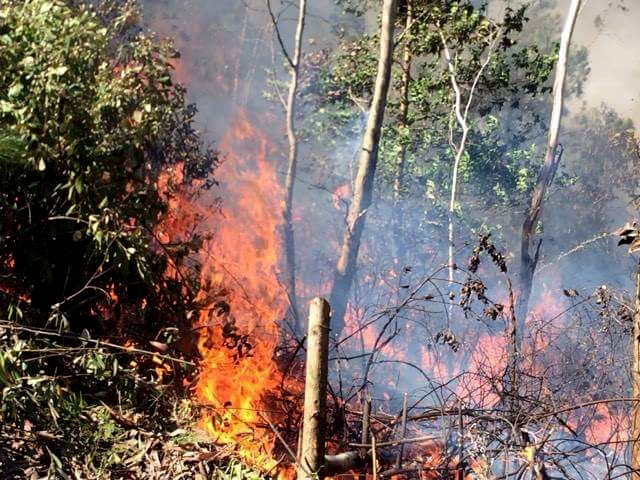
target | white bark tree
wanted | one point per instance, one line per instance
(292, 159)
(461, 113)
(529, 255)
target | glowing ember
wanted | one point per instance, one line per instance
(488, 360)
(339, 195)
(606, 426)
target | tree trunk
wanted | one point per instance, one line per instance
(398, 183)
(312, 458)
(363, 186)
(461, 115)
(403, 430)
(292, 164)
(635, 385)
(513, 347)
(529, 260)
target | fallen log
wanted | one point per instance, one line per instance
(352, 460)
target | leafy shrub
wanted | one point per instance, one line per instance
(99, 119)
(95, 141)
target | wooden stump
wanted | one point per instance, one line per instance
(311, 461)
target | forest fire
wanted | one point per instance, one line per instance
(316, 240)
(239, 331)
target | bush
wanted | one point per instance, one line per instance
(99, 119)
(95, 140)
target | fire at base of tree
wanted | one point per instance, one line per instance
(401, 259)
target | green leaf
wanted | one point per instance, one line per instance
(15, 90)
(46, 6)
(6, 107)
(54, 459)
(41, 165)
(59, 70)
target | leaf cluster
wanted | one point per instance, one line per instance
(96, 143)
(90, 119)
(502, 161)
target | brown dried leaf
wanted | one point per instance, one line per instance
(629, 235)
(635, 245)
(159, 346)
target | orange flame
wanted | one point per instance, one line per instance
(240, 264)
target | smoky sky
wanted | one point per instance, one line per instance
(207, 30)
(612, 36)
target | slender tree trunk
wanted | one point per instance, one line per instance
(363, 186)
(398, 183)
(461, 114)
(635, 385)
(403, 431)
(511, 383)
(511, 386)
(292, 165)
(404, 105)
(462, 123)
(529, 255)
(312, 457)
(452, 202)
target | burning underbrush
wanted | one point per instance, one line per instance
(486, 395)
(240, 385)
(161, 342)
(490, 394)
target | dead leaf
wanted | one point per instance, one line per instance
(629, 235)
(159, 346)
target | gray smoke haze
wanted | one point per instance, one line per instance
(228, 50)
(609, 30)
(612, 38)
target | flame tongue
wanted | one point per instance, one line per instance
(240, 263)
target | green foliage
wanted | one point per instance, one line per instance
(236, 471)
(51, 391)
(503, 149)
(98, 119)
(11, 149)
(354, 70)
(95, 139)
